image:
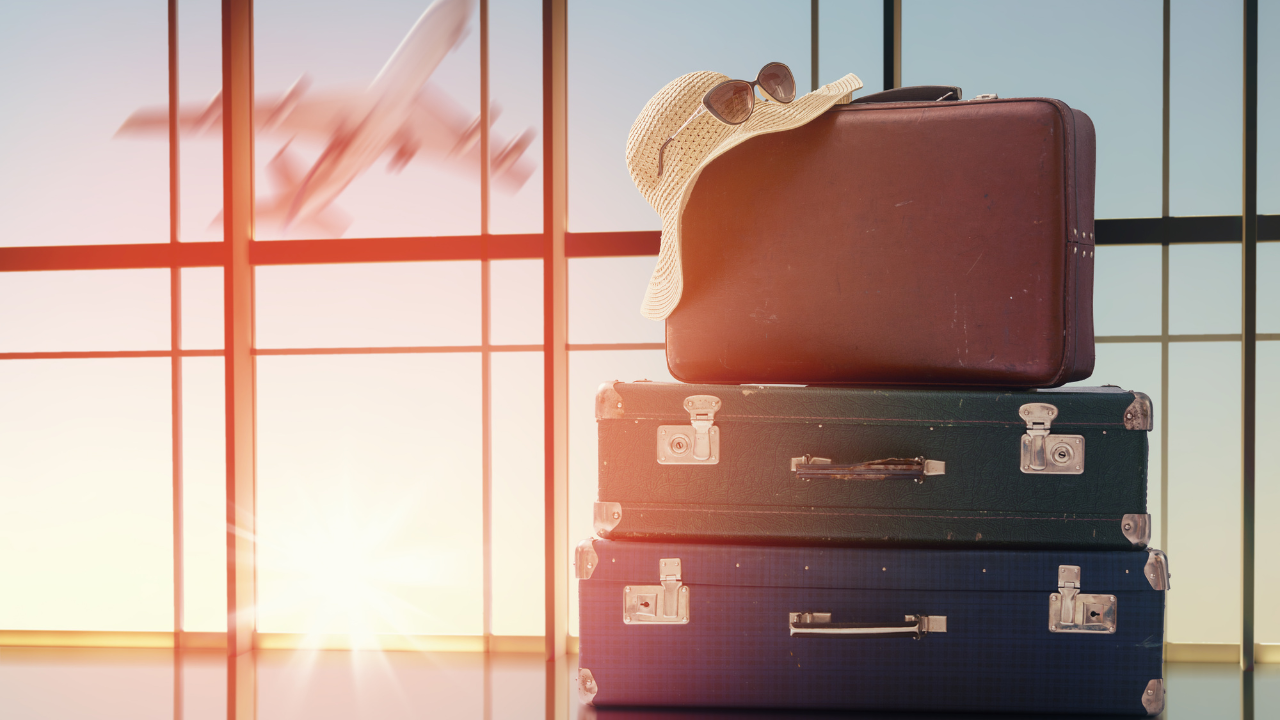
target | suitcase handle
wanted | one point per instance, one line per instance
(914, 93)
(811, 468)
(812, 624)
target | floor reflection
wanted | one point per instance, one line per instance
(318, 685)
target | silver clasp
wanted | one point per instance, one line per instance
(697, 443)
(1070, 611)
(1046, 453)
(665, 604)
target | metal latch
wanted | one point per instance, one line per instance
(665, 604)
(697, 443)
(1044, 453)
(985, 96)
(1073, 612)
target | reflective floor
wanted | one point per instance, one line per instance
(318, 685)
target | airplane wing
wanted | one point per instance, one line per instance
(439, 128)
(314, 116)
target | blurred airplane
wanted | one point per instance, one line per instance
(400, 113)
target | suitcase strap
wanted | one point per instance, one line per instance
(887, 469)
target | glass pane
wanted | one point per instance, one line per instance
(1204, 137)
(604, 301)
(204, 686)
(84, 310)
(86, 478)
(368, 305)
(1268, 111)
(1008, 47)
(324, 685)
(1267, 500)
(358, 141)
(99, 683)
(517, 494)
(515, 310)
(1136, 366)
(68, 87)
(1204, 491)
(199, 140)
(851, 40)
(515, 89)
(603, 65)
(204, 495)
(202, 305)
(518, 689)
(587, 370)
(1126, 290)
(1204, 288)
(369, 514)
(1268, 288)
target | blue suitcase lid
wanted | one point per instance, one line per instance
(873, 568)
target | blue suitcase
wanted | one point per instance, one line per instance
(674, 624)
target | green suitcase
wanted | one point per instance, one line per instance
(1063, 468)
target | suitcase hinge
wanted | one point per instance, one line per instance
(697, 443)
(1072, 612)
(665, 604)
(1044, 453)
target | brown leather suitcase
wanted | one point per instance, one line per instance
(895, 241)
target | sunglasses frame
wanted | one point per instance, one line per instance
(705, 106)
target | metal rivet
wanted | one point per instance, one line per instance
(1128, 416)
(806, 567)
(684, 589)
(1077, 467)
(884, 569)
(617, 515)
(626, 618)
(619, 404)
(626, 589)
(737, 564)
(662, 432)
(1127, 526)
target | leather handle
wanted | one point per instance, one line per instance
(812, 624)
(888, 469)
(915, 93)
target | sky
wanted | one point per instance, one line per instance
(72, 71)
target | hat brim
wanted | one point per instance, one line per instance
(706, 140)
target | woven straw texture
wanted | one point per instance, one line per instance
(693, 149)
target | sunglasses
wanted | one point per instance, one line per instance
(732, 101)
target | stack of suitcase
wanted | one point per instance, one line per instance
(930, 524)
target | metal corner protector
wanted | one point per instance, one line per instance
(607, 515)
(1157, 569)
(1153, 697)
(1137, 528)
(1138, 416)
(608, 402)
(585, 559)
(587, 687)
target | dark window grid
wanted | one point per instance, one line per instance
(1164, 231)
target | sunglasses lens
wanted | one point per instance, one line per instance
(777, 80)
(731, 102)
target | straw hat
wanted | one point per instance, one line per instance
(692, 150)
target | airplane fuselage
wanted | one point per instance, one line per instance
(372, 126)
